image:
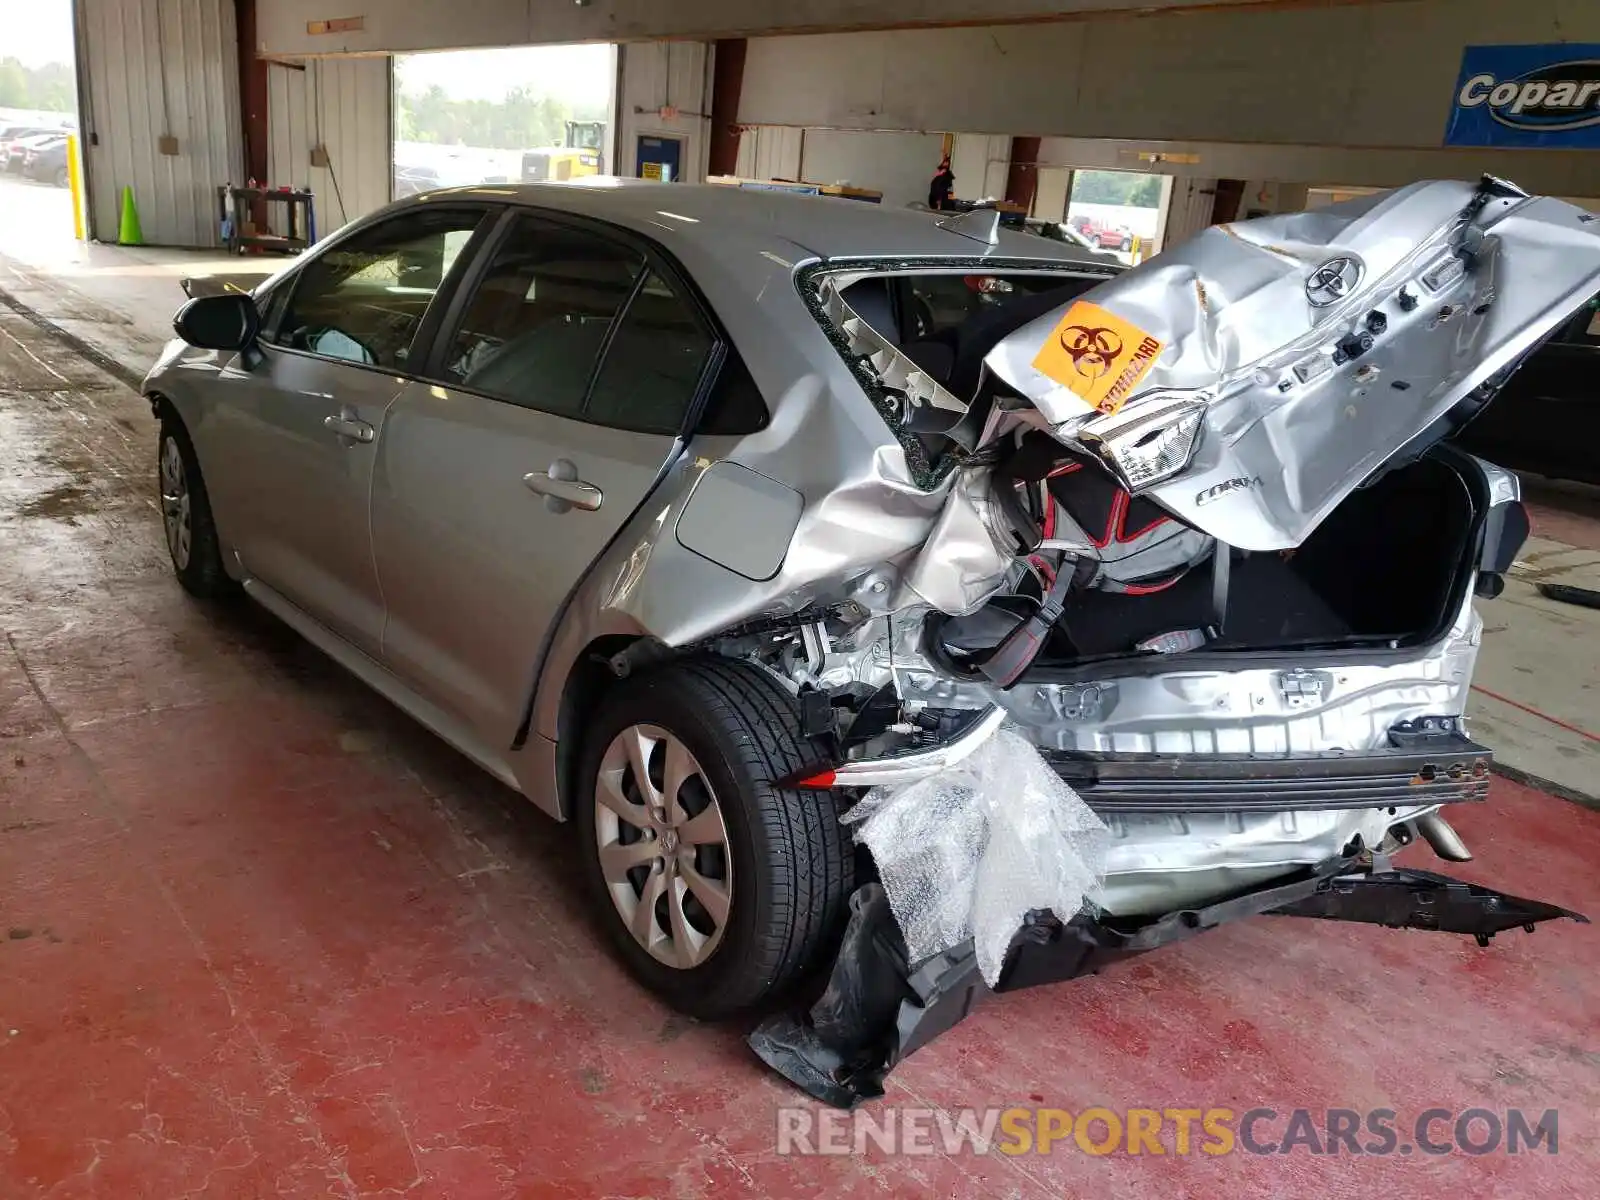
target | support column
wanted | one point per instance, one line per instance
(253, 104)
(727, 83)
(1022, 180)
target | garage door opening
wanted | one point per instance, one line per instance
(1118, 211)
(523, 115)
(38, 124)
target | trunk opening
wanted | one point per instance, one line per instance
(1387, 570)
(1380, 570)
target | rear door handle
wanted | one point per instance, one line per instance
(562, 489)
(347, 426)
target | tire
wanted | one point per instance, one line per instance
(197, 557)
(786, 863)
(61, 179)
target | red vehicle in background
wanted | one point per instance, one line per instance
(1107, 237)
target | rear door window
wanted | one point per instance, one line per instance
(534, 327)
(654, 365)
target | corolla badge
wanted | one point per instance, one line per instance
(1226, 488)
(1333, 281)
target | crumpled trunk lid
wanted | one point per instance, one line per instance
(1318, 345)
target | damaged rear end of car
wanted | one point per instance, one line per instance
(1207, 554)
(1112, 605)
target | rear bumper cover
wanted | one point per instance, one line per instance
(876, 1011)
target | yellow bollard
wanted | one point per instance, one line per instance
(75, 185)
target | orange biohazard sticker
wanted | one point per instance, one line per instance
(1098, 355)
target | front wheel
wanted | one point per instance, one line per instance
(191, 532)
(717, 887)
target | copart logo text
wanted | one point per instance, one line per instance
(1556, 97)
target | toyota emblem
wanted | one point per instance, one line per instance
(1333, 281)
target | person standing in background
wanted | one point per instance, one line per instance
(942, 185)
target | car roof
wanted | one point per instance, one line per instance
(710, 218)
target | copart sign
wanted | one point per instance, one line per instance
(1527, 96)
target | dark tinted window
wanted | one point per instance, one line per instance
(532, 331)
(654, 365)
(735, 405)
(363, 300)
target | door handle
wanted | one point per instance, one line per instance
(347, 426)
(562, 489)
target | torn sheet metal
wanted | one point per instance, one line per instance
(966, 555)
(969, 852)
(1320, 344)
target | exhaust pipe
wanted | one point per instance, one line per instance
(1446, 842)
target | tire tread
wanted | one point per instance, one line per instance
(804, 854)
(805, 824)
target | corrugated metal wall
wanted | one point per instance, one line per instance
(656, 75)
(344, 105)
(127, 49)
(769, 152)
(1188, 209)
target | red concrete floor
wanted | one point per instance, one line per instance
(1564, 511)
(260, 936)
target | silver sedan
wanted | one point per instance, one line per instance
(692, 513)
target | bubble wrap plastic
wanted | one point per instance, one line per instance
(970, 851)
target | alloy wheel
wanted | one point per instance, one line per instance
(663, 846)
(175, 503)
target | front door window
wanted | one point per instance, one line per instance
(362, 300)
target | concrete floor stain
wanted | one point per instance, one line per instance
(64, 502)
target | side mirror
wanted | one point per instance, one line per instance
(229, 321)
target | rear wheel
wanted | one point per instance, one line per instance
(61, 180)
(717, 888)
(186, 516)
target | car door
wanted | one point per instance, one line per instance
(561, 384)
(301, 419)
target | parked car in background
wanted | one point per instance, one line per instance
(1546, 420)
(1114, 237)
(695, 526)
(13, 151)
(1060, 231)
(10, 133)
(46, 161)
(409, 180)
(1103, 235)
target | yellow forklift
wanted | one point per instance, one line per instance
(582, 153)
